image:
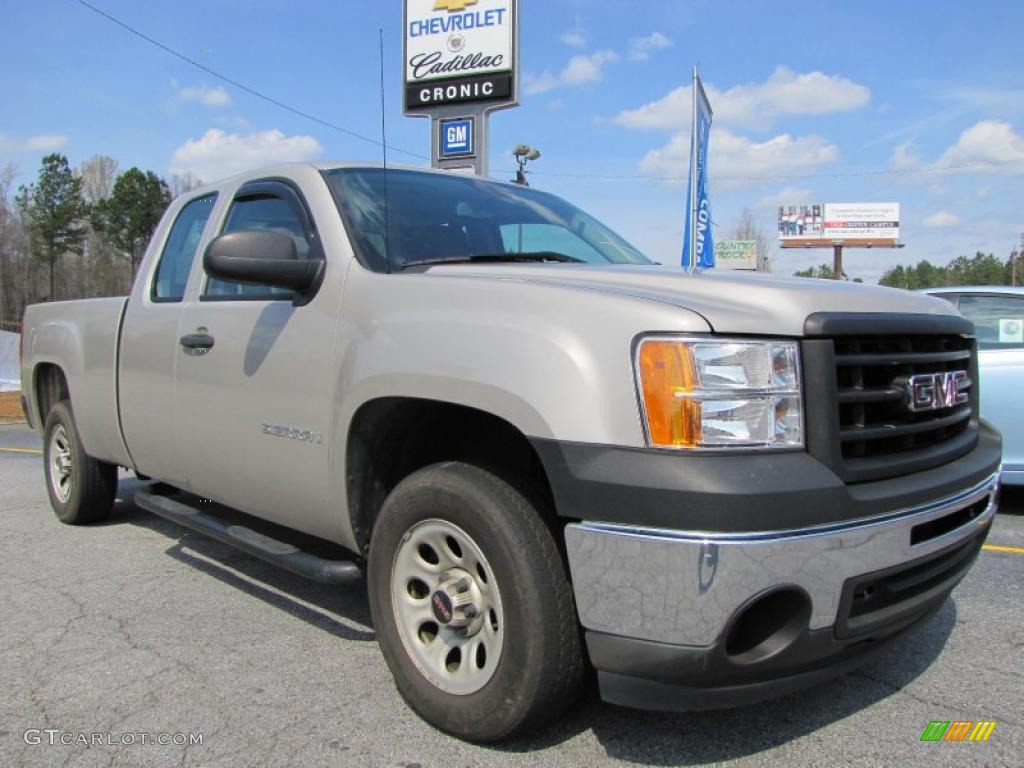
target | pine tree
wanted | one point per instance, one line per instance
(131, 213)
(56, 214)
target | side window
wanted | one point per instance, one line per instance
(261, 212)
(180, 250)
(998, 320)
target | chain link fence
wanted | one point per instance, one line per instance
(10, 373)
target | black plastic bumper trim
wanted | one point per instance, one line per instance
(739, 492)
(655, 676)
(27, 411)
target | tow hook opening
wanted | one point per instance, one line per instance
(767, 625)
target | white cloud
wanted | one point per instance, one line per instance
(581, 69)
(217, 154)
(734, 159)
(784, 93)
(986, 97)
(942, 219)
(786, 196)
(641, 48)
(574, 38)
(41, 143)
(203, 94)
(988, 146)
(988, 142)
(905, 158)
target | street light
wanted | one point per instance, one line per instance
(523, 154)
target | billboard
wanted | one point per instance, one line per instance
(838, 223)
(459, 52)
(736, 254)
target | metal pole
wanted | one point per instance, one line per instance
(692, 233)
(837, 262)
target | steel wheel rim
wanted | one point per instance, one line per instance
(60, 463)
(456, 659)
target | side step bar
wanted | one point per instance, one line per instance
(280, 553)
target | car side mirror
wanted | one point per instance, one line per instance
(261, 257)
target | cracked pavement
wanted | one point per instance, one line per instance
(137, 626)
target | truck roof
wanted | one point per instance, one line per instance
(285, 168)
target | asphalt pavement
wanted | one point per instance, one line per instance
(136, 630)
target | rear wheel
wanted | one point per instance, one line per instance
(81, 488)
(472, 607)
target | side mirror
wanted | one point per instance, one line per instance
(260, 257)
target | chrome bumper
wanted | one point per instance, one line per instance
(682, 587)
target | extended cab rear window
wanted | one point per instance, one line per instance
(180, 250)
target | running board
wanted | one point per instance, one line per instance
(280, 553)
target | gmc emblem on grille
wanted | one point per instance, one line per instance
(931, 391)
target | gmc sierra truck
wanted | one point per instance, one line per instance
(545, 453)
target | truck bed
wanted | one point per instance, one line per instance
(81, 338)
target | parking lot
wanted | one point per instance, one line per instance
(138, 627)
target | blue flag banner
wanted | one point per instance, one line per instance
(697, 238)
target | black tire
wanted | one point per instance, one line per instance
(540, 670)
(92, 484)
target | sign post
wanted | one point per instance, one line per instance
(461, 64)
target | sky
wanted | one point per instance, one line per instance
(920, 103)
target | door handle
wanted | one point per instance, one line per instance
(202, 342)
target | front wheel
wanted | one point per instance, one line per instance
(81, 488)
(471, 604)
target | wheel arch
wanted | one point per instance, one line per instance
(49, 386)
(391, 437)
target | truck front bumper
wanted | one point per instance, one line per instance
(679, 619)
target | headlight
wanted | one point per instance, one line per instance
(720, 393)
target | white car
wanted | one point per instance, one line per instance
(997, 312)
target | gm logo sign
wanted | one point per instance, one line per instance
(457, 137)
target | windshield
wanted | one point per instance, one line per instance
(434, 217)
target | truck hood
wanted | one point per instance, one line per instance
(731, 302)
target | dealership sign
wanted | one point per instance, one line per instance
(736, 254)
(839, 223)
(459, 52)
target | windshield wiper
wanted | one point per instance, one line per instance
(495, 258)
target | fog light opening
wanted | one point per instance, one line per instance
(767, 625)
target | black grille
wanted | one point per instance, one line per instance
(859, 420)
(877, 600)
(874, 417)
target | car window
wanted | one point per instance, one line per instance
(396, 217)
(998, 320)
(534, 238)
(180, 250)
(268, 213)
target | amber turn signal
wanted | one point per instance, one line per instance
(667, 376)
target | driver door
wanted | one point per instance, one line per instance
(254, 407)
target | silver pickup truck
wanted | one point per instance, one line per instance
(544, 452)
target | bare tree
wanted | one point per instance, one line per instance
(746, 228)
(7, 176)
(98, 175)
(102, 273)
(188, 181)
